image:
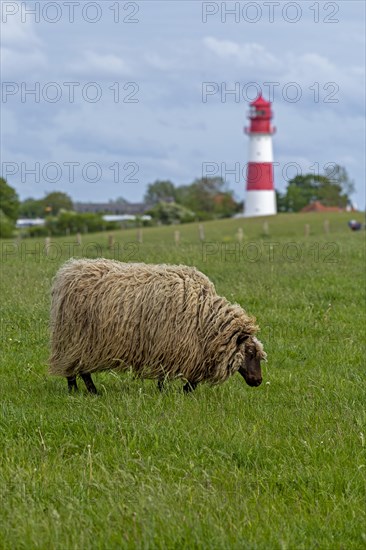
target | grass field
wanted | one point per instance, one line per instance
(279, 466)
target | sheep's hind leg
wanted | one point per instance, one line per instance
(89, 382)
(71, 384)
(189, 387)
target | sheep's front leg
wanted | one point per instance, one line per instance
(160, 385)
(189, 387)
(89, 382)
(71, 384)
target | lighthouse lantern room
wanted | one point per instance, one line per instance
(260, 196)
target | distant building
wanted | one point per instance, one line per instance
(27, 222)
(124, 218)
(115, 208)
(317, 206)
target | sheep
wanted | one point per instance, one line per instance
(163, 321)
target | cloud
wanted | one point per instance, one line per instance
(19, 36)
(22, 51)
(250, 54)
(18, 65)
(314, 77)
(93, 63)
(309, 67)
(157, 61)
(222, 48)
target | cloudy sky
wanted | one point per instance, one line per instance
(101, 98)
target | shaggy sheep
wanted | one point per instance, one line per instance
(163, 321)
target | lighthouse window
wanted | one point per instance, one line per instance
(261, 113)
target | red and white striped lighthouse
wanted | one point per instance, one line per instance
(260, 197)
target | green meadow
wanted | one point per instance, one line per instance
(281, 466)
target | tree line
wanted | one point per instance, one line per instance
(203, 199)
(209, 198)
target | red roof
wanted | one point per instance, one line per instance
(260, 102)
(317, 206)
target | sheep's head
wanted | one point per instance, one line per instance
(253, 355)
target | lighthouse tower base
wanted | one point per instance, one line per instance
(260, 203)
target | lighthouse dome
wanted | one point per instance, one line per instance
(260, 115)
(260, 102)
(260, 108)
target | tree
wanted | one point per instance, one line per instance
(9, 201)
(6, 226)
(56, 201)
(51, 204)
(160, 190)
(281, 202)
(300, 191)
(32, 208)
(307, 188)
(119, 200)
(171, 212)
(338, 174)
(74, 222)
(330, 194)
(208, 198)
(225, 205)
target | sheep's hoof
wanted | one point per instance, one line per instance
(71, 384)
(189, 387)
(161, 385)
(89, 383)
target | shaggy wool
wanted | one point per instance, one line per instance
(163, 321)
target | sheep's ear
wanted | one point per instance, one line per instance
(241, 339)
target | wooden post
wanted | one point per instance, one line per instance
(139, 235)
(307, 230)
(110, 241)
(326, 226)
(47, 245)
(201, 232)
(177, 237)
(78, 238)
(240, 235)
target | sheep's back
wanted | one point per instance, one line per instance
(106, 314)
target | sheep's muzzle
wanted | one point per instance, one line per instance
(252, 373)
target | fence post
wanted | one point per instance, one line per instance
(47, 245)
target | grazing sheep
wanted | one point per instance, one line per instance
(163, 321)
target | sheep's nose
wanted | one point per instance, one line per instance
(254, 382)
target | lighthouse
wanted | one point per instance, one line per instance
(260, 196)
